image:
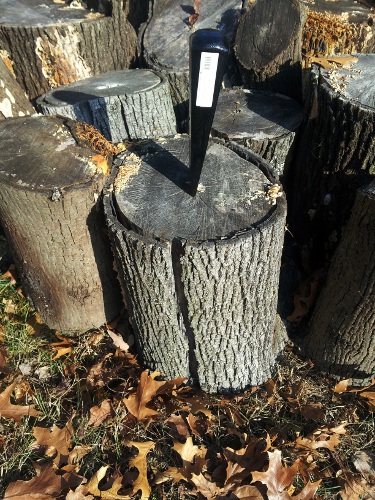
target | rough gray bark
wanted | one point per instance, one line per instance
(129, 104)
(164, 42)
(335, 154)
(264, 122)
(200, 274)
(13, 101)
(341, 337)
(269, 46)
(50, 209)
(51, 45)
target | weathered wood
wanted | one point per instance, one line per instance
(128, 104)
(13, 101)
(165, 42)
(268, 46)
(51, 44)
(341, 338)
(335, 154)
(50, 208)
(199, 274)
(264, 122)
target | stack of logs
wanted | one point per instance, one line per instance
(106, 167)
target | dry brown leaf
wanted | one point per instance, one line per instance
(364, 462)
(9, 410)
(246, 492)
(342, 386)
(305, 297)
(369, 396)
(331, 62)
(59, 439)
(118, 341)
(34, 324)
(198, 425)
(62, 347)
(312, 411)
(11, 274)
(92, 487)
(193, 18)
(251, 458)
(4, 367)
(178, 427)
(99, 415)
(354, 487)
(313, 442)
(205, 487)
(197, 403)
(140, 463)
(188, 451)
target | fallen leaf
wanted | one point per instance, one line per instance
(331, 62)
(4, 367)
(369, 396)
(140, 463)
(11, 274)
(312, 411)
(205, 487)
(99, 415)
(188, 451)
(9, 307)
(246, 492)
(193, 18)
(354, 487)
(178, 427)
(364, 462)
(313, 442)
(59, 439)
(9, 410)
(342, 386)
(305, 297)
(62, 347)
(198, 425)
(118, 341)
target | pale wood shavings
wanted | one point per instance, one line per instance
(127, 170)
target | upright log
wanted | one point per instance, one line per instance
(200, 274)
(335, 154)
(341, 338)
(51, 44)
(50, 208)
(13, 101)
(128, 104)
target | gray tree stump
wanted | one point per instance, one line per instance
(335, 154)
(129, 104)
(13, 101)
(51, 44)
(341, 338)
(51, 211)
(165, 42)
(199, 274)
(264, 122)
(269, 46)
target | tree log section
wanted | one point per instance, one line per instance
(52, 44)
(13, 101)
(335, 154)
(341, 339)
(199, 274)
(48, 192)
(269, 46)
(165, 42)
(264, 122)
(129, 104)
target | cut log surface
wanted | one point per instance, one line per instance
(341, 339)
(49, 189)
(51, 44)
(199, 274)
(13, 101)
(128, 104)
(336, 151)
(264, 122)
(166, 41)
(268, 46)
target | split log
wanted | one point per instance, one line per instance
(264, 122)
(341, 337)
(269, 46)
(200, 274)
(52, 44)
(13, 101)
(50, 208)
(165, 42)
(129, 104)
(335, 154)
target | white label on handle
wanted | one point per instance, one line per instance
(207, 78)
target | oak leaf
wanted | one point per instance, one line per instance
(62, 347)
(342, 386)
(92, 487)
(246, 492)
(205, 487)
(118, 341)
(140, 463)
(9, 410)
(178, 426)
(193, 18)
(313, 442)
(354, 487)
(99, 415)
(188, 451)
(56, 439)
(369, 396)
(4, 367)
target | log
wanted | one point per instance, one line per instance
(165, 43)
(341, 337)
(264, 122)
(128, 104)
(199, 274)
(50, 207)
(269, 46)
(335, 154)
(51, 44)
(13, 101)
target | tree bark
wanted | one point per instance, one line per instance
(335, 154)
(54, 45)
(264, 122)
(13, 101)
(199, 274)
(269, 46)
(129, 104)
(165, 42)
(51, 211)
(341, 337)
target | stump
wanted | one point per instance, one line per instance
(165, 42)
(335, 154)
(264, 122)
(50, 208)
(341, 339)
(199, 274)
(13, 101)
(129, 104)
(51, 44)
(268, 46)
